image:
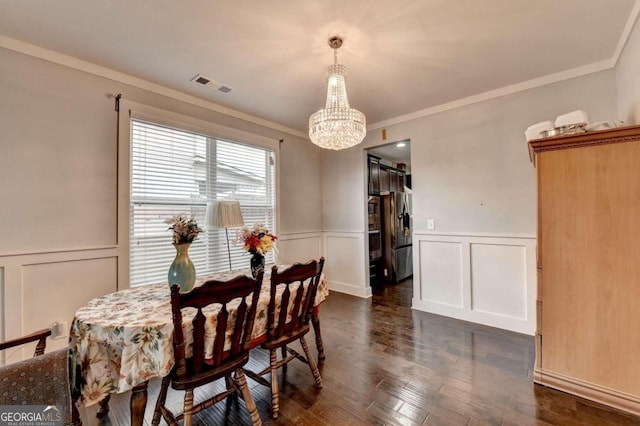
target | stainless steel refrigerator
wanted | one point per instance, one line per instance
(397, 242)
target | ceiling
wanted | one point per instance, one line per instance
(403, 56)
(395, 152)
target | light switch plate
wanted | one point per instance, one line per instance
(431, 224)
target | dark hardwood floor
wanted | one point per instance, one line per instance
(389, 365)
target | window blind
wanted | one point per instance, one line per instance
(173, 172)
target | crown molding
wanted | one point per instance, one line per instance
(69, 61)
(503, 91)
(98, 70)
(526, 85)
(626, 32)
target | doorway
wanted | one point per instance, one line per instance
(389, 215)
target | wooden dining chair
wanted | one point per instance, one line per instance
(288, 318)
(41, 380)
(237, 300)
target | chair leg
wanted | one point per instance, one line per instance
(188, 407)
(315, 322)
(75, 415)
(312, 363)
(162, 397)
(227, 381)
(284, 354)
(230, 384)
(103, 410)
(248, 399)
(275, 397)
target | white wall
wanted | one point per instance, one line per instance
(343, 218)
(300, 236)
(471, 174)
(58, 189)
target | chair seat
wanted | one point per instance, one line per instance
(42, 380)
(208, 375)
(287, 338)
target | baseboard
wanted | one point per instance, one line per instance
(537, 376)
(610, 397)
(459, 312)
(364, 292)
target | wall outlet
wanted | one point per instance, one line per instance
(59, 330)
(431, 224)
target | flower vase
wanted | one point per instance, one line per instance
(257, 264)
(182, 271)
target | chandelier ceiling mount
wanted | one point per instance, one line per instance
(335, 42)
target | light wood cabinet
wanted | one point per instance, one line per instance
(588, 307)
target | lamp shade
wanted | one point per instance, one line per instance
(224, 214)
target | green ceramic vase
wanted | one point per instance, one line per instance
(182, 270)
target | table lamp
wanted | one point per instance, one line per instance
(225, 214)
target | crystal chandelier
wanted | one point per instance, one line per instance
(337, 125)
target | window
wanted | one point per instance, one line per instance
(175, 171)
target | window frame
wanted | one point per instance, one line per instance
(133, 110)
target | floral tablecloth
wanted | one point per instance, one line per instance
(125, 338)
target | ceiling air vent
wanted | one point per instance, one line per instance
(203, 80)
(212, 84)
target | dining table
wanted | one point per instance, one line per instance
(118, 342)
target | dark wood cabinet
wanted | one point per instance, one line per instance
(393, 180)
(374, 175)
(375, 272)
(384, 179)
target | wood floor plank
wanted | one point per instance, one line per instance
(389, 365)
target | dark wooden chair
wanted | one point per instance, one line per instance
(195, 371)
(41, 380)
(299, 284)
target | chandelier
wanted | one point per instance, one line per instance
(337, 125)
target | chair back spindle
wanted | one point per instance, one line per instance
(209, 296)
(299, 284)
(214, 302)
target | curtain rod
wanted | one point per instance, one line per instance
(118, 97)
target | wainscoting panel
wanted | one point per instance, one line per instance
(487, 279)
(499, 280)
(299, 247)
(42, 288)
(53, 290)
(345, 263)
(441, 265)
